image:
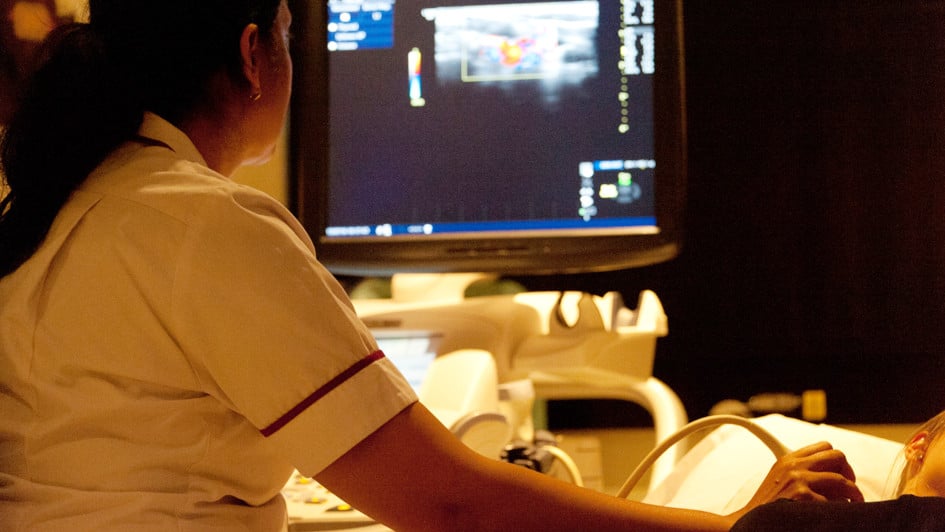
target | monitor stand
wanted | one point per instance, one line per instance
(426, 287)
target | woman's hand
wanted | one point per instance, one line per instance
(817, 472)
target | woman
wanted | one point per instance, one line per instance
(920, 506)
(169, 346)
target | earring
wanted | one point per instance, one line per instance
(919, 456)
(255, 96)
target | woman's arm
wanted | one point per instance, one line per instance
(412, 474)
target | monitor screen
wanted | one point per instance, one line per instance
(487, 136)
(412, 352)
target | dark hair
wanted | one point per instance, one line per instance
(91, 88)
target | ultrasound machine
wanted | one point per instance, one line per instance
(444, 144)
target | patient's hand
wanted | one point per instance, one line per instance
(817, 472)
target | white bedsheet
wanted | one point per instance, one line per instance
(723, 471)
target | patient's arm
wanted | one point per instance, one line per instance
(412, 474)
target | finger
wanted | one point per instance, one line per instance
(834, 487)
(813, 448)
(831, 461)
(822, 487)
(807, 495)
(820, 457)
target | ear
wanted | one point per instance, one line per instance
(249, 53)
(917, 447)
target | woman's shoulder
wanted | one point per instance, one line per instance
(155, 177)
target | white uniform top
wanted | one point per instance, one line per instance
(172, 351)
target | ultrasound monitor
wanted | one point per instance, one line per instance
(412, 352)
(489, 136)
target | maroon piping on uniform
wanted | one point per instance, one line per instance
(337, 381)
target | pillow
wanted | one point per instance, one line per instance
(721, 473)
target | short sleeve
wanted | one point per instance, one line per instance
(271, 334)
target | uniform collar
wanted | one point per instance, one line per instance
(156, 129)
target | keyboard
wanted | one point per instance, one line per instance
(312, 507)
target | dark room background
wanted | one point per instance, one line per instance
(815, 241)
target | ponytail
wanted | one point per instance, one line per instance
(74, 112)
(91, 90)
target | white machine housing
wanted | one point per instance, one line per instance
(569, 345)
